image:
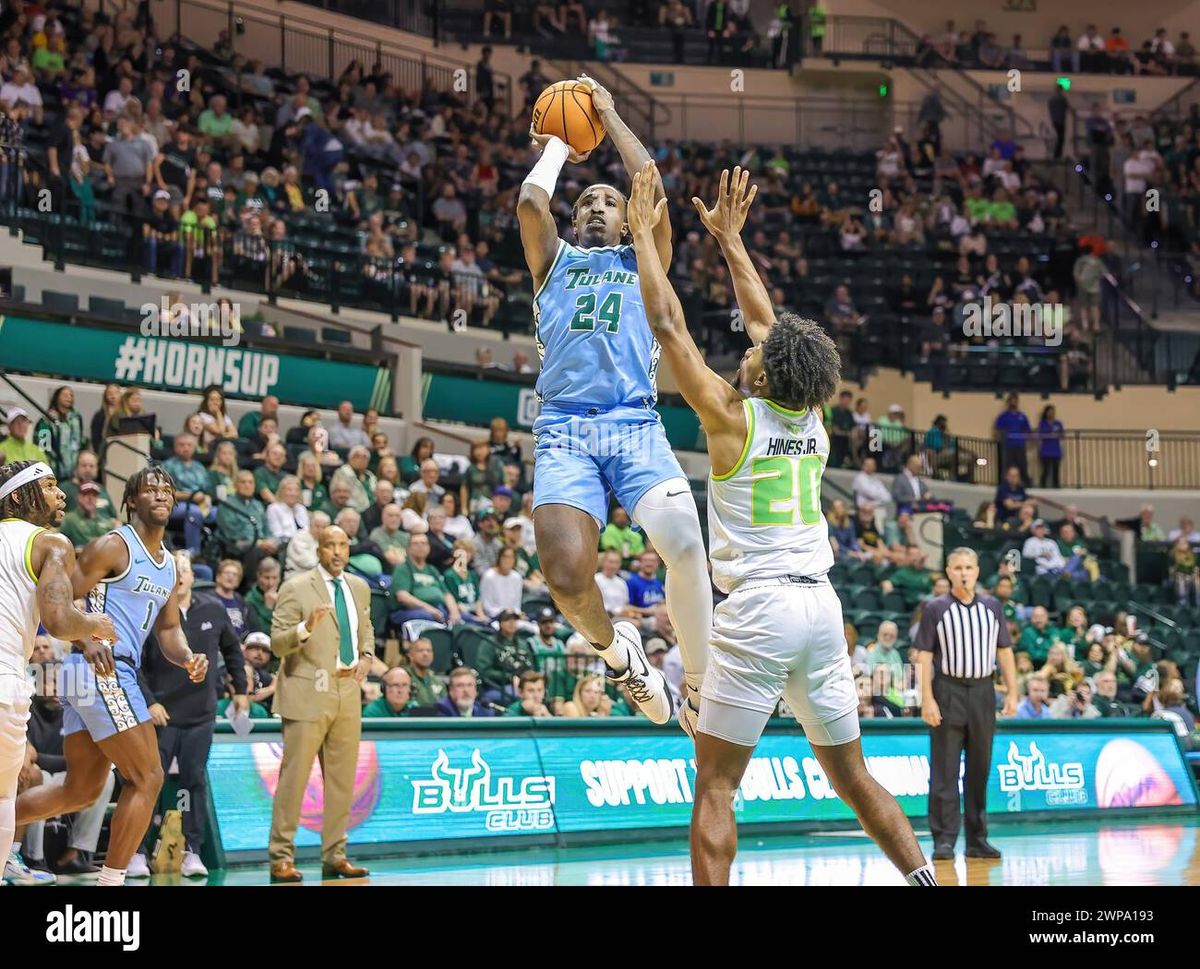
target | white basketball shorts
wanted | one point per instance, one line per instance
(774, 639)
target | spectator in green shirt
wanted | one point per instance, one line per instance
(86, 521)
(502, 659)
(268, 475)
(396, 700)
(87, 468)
(389, 536)
(216, 123)
(262, 596)
(1038, 636)
(427, 689)
(193, 506)
(620, 536)
(60, 432)
(464, 585)
(17, 447)
(242, 520)
(357, 477)
(531, 696)
(1002, 590)
(912, 580)
(248, 426)
(339, 498)
(420, 590)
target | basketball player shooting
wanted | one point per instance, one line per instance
(35, 588)
(129, 576)
(598, 429)
(779, 632)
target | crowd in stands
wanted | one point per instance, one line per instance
(353, 190)
(1088, 51)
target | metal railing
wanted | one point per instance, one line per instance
(1090, 458)
(414, 16)
(299, 46)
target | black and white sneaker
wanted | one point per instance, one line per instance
(644, 684)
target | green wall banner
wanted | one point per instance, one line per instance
(169, 363)
(449, 397)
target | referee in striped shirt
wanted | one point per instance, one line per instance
(960, 639)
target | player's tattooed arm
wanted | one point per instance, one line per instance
(725, 220)
(54, 562)
(172, 642)
(717, 404)
(634, 155)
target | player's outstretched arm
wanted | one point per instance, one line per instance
(717, 404)
(634, 155)
(725, 220)
(172, 641)
(53, 561)
(539, 234)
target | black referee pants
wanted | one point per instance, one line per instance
(190, 747)
(968, 722)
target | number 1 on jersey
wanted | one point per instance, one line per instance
(784, 488)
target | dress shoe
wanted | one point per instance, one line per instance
(982, 850)
(943, 852)
(285, 871)
(344, 869)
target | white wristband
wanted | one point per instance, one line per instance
(545, 173)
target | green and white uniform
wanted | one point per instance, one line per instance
(780, 631)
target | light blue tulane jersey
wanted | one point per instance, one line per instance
(134, 599)
(595, 345)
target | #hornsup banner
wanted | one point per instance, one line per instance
(172, 363)
(415, 786)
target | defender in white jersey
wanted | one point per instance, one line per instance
(779, 632)
(35, 589)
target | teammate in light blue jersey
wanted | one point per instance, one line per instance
(128, 575)
(598, 431)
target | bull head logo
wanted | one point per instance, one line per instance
(460, 783)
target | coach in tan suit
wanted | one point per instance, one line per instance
(322, 632)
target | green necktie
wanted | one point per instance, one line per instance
(343, 621)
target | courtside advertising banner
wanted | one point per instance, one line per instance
(416, 785)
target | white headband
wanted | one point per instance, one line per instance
(23, 477)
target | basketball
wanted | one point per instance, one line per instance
(565, 110)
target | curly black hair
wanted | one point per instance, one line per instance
(801, 363)
(136, 481)
(28, 502)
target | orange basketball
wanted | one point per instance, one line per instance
(565, 109)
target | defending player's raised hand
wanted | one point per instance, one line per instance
(197, 668)
(541, 141)
(728, 214)
(642, 213)
(602, 100)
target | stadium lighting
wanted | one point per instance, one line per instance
(981, 462)
(1153, 462)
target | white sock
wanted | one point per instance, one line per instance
(615, 654)
(673, 526)
(111, 876)
(922, 876)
